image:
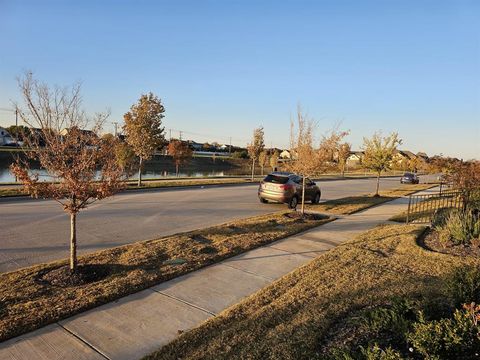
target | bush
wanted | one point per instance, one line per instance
(450, 338)
(374, 352)
(459, 227)
(395, 319)
(386, 328)
(240, 155)
(463, 285)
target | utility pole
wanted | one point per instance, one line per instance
(115, 124)
(16, 128)
(230, 147)
(170, 130)
(181, 135)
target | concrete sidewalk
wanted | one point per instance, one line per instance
(138, 324)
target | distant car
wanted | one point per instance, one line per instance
(409, 178)
(13, 144)
(286, 188)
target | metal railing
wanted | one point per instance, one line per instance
(422, 208)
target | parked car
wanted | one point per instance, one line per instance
(286, 188)
(409, 178)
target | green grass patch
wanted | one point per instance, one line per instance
(27, 302)
(297, 316)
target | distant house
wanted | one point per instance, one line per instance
(285, 154)
(355, 158)
(5, 137)
(65, 132)
(195, 146)
(403, 155)
(423, 156)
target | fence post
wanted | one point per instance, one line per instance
(408, 211)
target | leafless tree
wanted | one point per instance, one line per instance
(344, 150)
(81, 165)
(263, 160)
(274, 159)
(256, 147)
(307, 159)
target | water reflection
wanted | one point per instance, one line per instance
(7, 177)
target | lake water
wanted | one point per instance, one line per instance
(7, 177)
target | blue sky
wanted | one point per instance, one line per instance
(225, 67)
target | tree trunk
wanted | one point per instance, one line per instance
(253, 168)
(262, 170)
(378, 183)
(176, 170)
(343, 170)
(303, 196)
(140, 173)
(73, 242)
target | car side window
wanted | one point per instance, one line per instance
(297, 180)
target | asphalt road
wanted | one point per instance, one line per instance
(36, 231)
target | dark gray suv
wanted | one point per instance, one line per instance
(286, 188)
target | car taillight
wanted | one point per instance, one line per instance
(286, 187)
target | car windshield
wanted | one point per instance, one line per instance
(275, 179)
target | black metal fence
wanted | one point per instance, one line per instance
(422, 208)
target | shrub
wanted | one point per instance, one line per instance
(449, 338)
(460, 227)
(395, 318)
(440, 217)
(463, 285)
(240, 155)
(373, 352)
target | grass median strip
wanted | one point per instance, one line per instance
(353, 204)
(31, 297)
(7, 191)
(296, 317)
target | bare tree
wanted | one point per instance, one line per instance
(256, 147)
(143, 128)
(82, 166)
(180, 153)
(308, 160)
(379, 153)
(274, 160)
(344, 150)
(305, 159)
(263, 160)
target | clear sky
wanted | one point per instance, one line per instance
(225, 67)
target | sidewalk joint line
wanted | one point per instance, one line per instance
(84, 341)
(184, 301)
(249, 272)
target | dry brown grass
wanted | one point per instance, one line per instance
(27, 303)
(353, 204)
(12, 191)
(291, 318)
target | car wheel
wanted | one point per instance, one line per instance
(292, 204)
(316, 198)
(263, 201)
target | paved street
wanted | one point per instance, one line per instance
(138, 324)
(38, 231)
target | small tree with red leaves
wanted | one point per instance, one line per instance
(180, 152)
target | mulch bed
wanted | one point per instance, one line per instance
(432, 242)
